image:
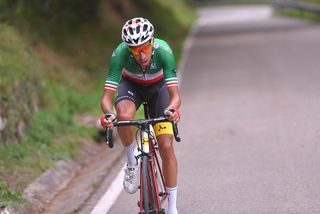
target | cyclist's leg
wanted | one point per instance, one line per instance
(169, 167)
(165, 140)
(157, 105)
(125, 111)
(125, 103)
(169, 161)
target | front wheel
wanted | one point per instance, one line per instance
(145, 194)
(149, 191)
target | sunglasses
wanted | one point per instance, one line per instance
(136, 51)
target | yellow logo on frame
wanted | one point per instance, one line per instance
(145, 141)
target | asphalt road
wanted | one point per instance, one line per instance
(250, 117)
(251, 122)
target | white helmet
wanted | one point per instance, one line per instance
(137, 31)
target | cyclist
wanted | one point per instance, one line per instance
(142, 68)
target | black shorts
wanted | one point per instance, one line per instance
(156, 95)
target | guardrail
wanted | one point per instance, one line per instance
(230, 2)
(277, 4)
(283, 4)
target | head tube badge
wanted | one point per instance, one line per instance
(145, 141)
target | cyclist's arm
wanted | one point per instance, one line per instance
(175, 100)
(106, 101)
(169, 70)
(112, 79)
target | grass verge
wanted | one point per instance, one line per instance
(52, 136)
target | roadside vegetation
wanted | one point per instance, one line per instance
(300, 13)
(206, 3)
(53, 59)
(314, 2)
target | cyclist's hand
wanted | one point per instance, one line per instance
(107, 119)
(173, 114)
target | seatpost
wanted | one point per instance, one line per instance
(146, 110)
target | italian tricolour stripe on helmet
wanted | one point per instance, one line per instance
(137, 31)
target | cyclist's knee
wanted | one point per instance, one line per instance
(166, 145)
(125, 110)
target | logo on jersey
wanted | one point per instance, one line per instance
(153, 65)
(113, 54)
(156, 45)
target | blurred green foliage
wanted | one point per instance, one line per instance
(20, 83)
(301, 12)
(315, 2)
(63, 24)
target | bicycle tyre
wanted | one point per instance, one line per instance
(148, 189)
(145, 192)
(152, 199)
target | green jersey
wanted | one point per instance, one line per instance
(162, 66)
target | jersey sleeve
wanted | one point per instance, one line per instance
(115, 68)
(169, 65)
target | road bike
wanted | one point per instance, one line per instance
(152, 186)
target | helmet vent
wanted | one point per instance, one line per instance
(145, 28)
(131, 31)
(136, 41)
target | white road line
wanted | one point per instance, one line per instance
(111, 195)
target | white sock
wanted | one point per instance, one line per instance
(131, 159)
(172, 200)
